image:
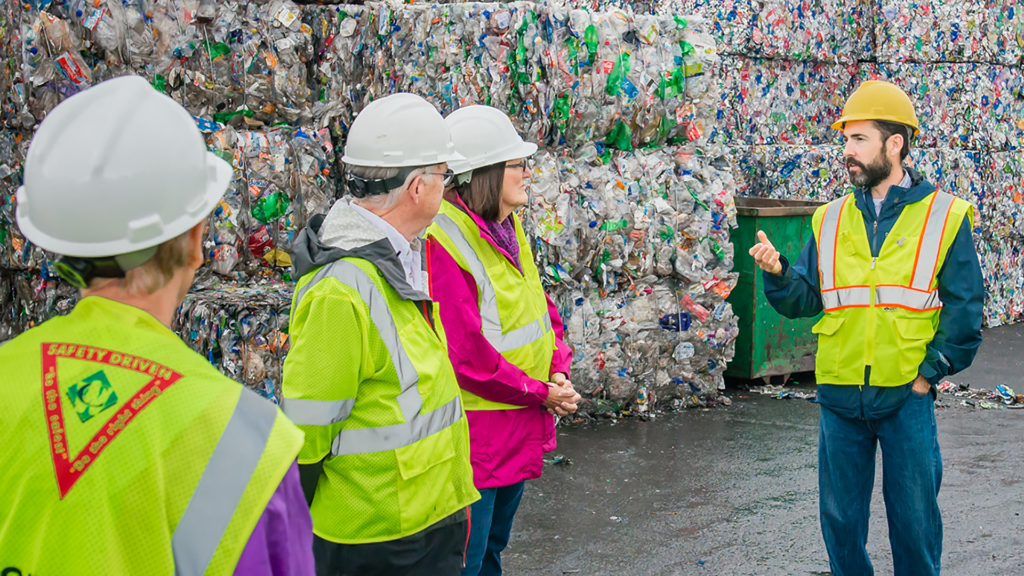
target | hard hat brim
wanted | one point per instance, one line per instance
(521, 150)
(838, 125)
(221, 175)
(413, 162)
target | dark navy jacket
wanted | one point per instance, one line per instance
(797, 293)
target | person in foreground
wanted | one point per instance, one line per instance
(386, 461)
(505, 334)
(894, 268)
(134, 455)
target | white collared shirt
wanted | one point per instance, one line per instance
(408, 252)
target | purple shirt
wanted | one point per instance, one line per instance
(504, 235)
(282, 542)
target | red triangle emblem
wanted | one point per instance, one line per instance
(67, 468)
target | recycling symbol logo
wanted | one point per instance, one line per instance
(92, 395)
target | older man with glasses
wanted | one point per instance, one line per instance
(385, 462)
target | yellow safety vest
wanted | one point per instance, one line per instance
(513, 308)
(397, 452)
(127, 452)
(881, 312)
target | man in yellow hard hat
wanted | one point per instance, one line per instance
(127, 453)
(894, 269)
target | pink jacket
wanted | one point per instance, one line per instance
(506, 446)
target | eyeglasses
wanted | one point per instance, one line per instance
(519, 166)
(448, 176)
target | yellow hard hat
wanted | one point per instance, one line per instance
(877, 100)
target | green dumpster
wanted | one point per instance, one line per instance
(769, 344)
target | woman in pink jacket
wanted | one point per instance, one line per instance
(504, 334)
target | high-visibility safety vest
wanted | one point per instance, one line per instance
(513, 308)
(881, 312)
(399, 450)
(127, 452)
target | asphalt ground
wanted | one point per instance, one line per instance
(733, 491)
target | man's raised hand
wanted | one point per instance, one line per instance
(765, 254)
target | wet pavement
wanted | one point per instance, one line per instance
(733, 491)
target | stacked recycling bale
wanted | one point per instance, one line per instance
(242, 70)
(633, 201)
(30, 292)
(243, 331)
(791, 64)
(641, 120)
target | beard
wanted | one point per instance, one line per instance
(871, 175)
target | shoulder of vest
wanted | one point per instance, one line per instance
(435, 232)
(363, 264)
(819, 212)
(467, 227)
(375, 275)
(961, 205)
(459, 217)
(434, 228)
(518, 223)
(963, 209)
(958, 205)
(173, 352)
(522, 237)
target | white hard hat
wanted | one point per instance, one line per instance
(117, 169)
(399, 131)
(485, 136)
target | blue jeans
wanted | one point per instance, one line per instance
(490, 525)
(911, 477)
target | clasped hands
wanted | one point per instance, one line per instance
(562, 397)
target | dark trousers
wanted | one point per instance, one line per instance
(911, 477)
(490, 528)
(437, 551)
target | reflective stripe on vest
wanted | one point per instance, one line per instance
(317, 412)
(826, 251)
(909, 298)
(417, 425)
(489, 317)
(918, 296)
(222, 485)
(927, 260)
(837, 298)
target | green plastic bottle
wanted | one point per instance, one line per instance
(590, 39)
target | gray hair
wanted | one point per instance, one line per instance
(389, 200)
